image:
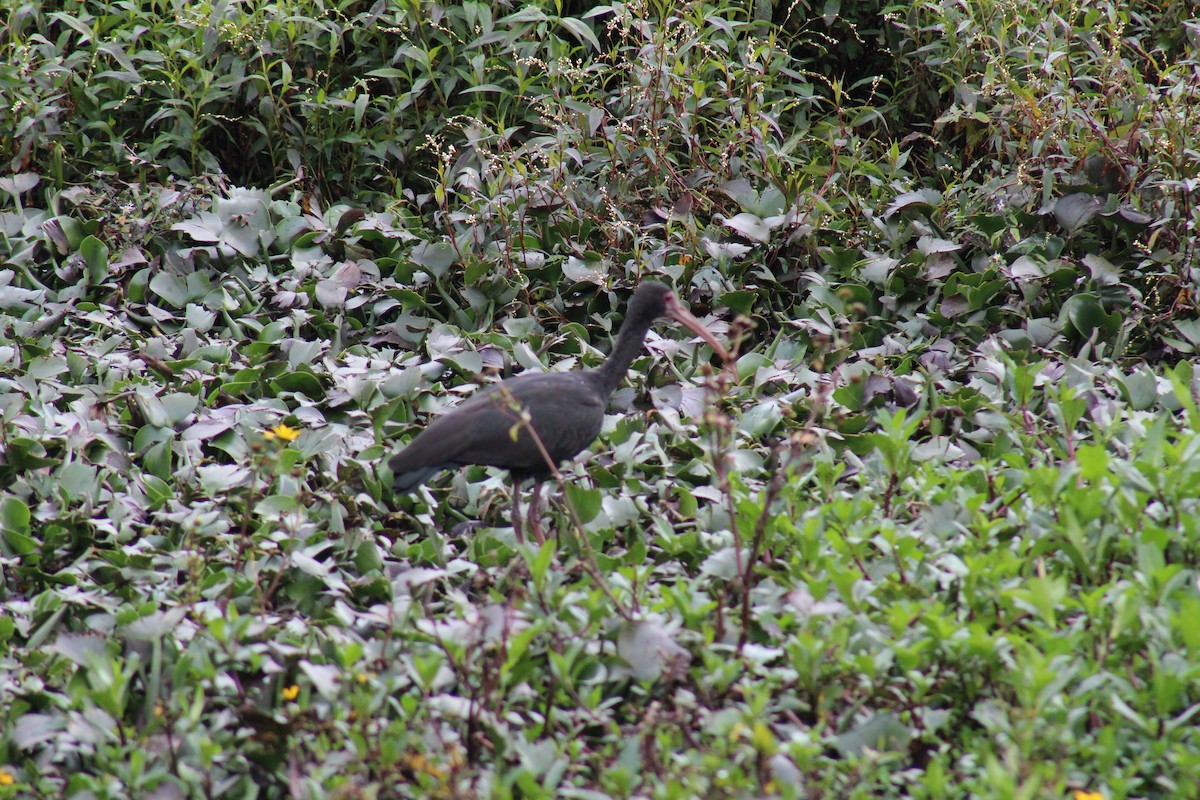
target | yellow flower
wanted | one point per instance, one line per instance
(419, 763)
(1081, 795)
(291, 692)
(283, 432)
(6, 778)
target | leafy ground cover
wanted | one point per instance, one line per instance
(938, 538)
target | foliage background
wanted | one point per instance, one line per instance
(938, 539)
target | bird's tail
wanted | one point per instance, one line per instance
(405, 480)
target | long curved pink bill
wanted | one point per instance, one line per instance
(684, 317)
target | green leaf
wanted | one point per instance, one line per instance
(585, 501)
(276, 505)
(301, 381)
(170, 288)
(582, 270)
(14, 514)
(581, 31)
(1093, 461)
(434, 256)
(1086, 315)
(95, 253)
(157, 490)
(1074, 211)
(158, 460)
(883, 732)
(274, 331)
(77, 480)
(178, 406)
(650, 649)
(20, 543)
(243, 380)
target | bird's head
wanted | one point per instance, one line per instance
(652, 300)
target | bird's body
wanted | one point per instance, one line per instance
(565, 411)
(531, 423)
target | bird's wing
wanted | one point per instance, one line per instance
(431, 450)
(564, 410)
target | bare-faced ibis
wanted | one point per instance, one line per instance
(564, 411)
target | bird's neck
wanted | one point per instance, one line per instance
(629, 344)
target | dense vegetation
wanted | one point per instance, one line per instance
(939, 538)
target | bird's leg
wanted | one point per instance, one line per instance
(535, 513)
(516, 514)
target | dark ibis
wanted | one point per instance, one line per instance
(564, 411)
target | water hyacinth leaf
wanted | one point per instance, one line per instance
(585, 501)
(584, 271)
(220, 478)
(177, 407)
(95, 254)
(157, 490)
(276, 506)
(403, 383)
(954, 306)
(723, 564)
(750, 226)
(929, 245)
(19, 299)
(324, 678)
(241, 381)
(158, 460)
(330, 294)
(156, 626)
(273, 331)
(1075, 211)
(46, 367)
(20, 183)
(726, 250)
(882, 732)
(78, 481)
(65, 233)
(1129, 219)
(939, 265)
(20, 544)
(434, 256)
(34, 730)
(877, 269)
(151, 408)
(1042, 331)
(1103, 271)
(919, 198)
(198, 318)
(761, 419)
(302, 353)
(1139, 388)
(170, 288)
(1026, 268)
(1189, 329)
(205, 227)
(740, 191)
(302, 381)
(650, 650)
(14, 514)
(79, 649)
(138, 284)
(1086, 315)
